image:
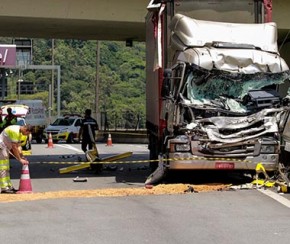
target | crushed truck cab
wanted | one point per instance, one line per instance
(215, 88)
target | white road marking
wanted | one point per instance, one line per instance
(276, 197)
(70, 147)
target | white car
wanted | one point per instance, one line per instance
(64, 129)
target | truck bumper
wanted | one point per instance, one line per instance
(188, 161)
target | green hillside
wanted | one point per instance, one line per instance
(121, 76)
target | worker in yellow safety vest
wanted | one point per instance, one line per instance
(10, 140)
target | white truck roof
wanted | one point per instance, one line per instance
(243, 48)
(198, 33)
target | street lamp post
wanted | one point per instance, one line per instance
(97, 84)
(19, 81)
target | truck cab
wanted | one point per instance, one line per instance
(213, 100)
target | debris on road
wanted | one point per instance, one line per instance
(161, 189)
(78, 179)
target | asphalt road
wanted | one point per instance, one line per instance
(45, 164)
(242, 216)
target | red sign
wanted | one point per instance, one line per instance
(7, 56)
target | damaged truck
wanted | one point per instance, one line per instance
(216, 90)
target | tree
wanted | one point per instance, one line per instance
(122, 77)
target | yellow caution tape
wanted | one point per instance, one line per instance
(151, 160)
(266, 183)
(260, 168)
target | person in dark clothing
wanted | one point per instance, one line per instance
(88, 129)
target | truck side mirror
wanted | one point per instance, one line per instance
(165, 90)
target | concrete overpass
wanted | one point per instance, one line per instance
(73, 19)
(91, 19)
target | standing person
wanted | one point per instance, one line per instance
(10, 140)
(88, 131)
(10, 118)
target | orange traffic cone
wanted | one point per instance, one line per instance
(50, 142)
(25, 182)
(109, 141)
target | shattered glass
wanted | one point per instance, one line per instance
(227, 86)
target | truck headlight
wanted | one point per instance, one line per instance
(267, 149)
(182, 147)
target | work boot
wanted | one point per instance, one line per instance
(9, 190)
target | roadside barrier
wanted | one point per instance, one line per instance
(123, 136)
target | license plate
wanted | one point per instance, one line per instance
(220, 165)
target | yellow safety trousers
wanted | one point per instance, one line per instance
(5, 181)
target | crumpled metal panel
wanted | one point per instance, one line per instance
(232, 123)
(198, 42)
(227, 129)
(245, 61)
(190, 32)
(269, 125)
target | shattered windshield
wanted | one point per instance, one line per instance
(204, 84)
(229, 90)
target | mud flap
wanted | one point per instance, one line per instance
(158, 174)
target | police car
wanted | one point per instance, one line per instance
(64, 128)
